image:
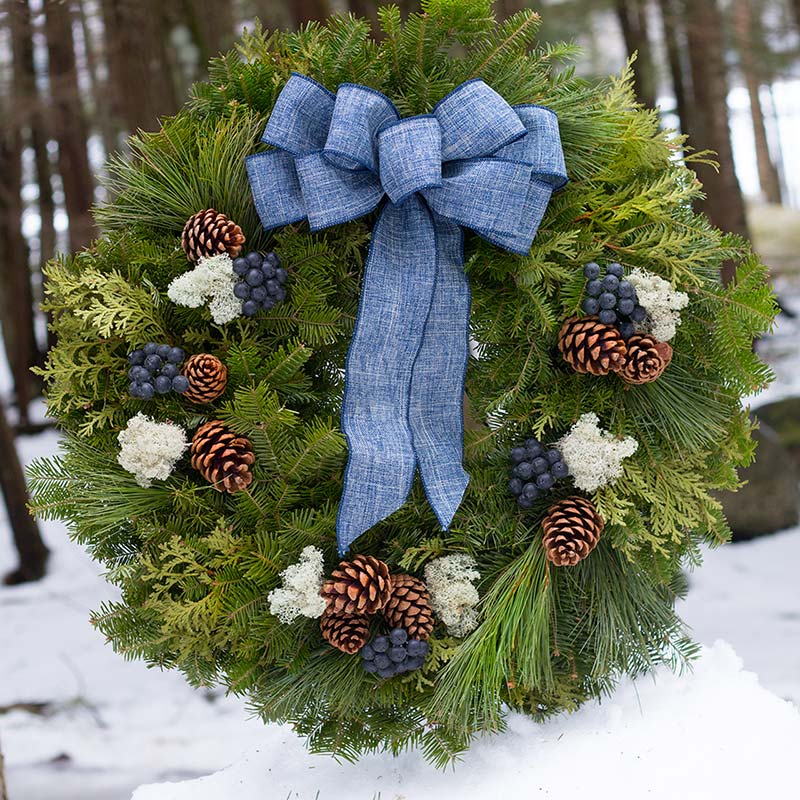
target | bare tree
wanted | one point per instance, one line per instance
(304, 10)
(27, 539)
(745, 25)
(677, 68)
(69, 124)
(211, 25)
(632, 16)
(723, 205)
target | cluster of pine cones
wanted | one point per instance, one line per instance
(363, 587)
(592, 347)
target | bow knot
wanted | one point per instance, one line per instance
(473, 162)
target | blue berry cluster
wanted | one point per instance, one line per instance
(612, 298)
(261, 284)
(155, 369)
(536, 470)
(394, 654)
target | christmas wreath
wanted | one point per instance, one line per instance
(324, 193)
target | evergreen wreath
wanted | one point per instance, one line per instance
(427, 636)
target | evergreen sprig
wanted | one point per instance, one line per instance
(195, 566)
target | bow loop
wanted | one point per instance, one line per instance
(410, 156)
(475, 162)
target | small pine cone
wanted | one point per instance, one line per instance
(210, 233)
(409, 607)
(223, 458)
(647, 359)
(207, 377)
(572, 529)
(346, 632)
(360, 586)
(589, 346)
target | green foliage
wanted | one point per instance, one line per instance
(195, 566)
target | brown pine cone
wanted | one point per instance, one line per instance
(210, 233)
(223, 458)
(409, 607)
(647, 359)
(591, 347)
(572, 529)
(360, 586)
(207, 377)
(346, 632)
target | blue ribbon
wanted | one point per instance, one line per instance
(474, 162)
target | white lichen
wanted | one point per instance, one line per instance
(454, 598)
(299, 595)
(211, 282)
(594, 456)
(662, 303)
(149, 449)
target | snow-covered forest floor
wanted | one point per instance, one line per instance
(78, 722)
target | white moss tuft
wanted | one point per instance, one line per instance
(662, 303)
(454, 598)
(149, 449)
(299, 595)
(212, 282)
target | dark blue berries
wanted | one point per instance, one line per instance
(156, 369)
(395, 654)
(612, 298)
(262, 282)
(535, 471)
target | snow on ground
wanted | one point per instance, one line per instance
(712, 735)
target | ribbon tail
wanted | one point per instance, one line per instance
(398, 286)
(436, 414)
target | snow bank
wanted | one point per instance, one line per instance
(713, 734)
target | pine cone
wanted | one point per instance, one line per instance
(346, 632)
(409, 607)
(210, 233)
(207, 377)
(223, 458)
(572, 529)
(591, 347)
(647, 359)
(360, 586)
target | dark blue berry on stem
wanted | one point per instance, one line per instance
(553, 455)
(138, 374)
(539, 465)
(610, 283)
(255, 259)
(545, 481)
(146, 391)
(250, 308)
(593, 288)
(163, 351)
(268, 270)
(380, 644)
(608, 300)
(153, 362)
(280, 295)
(381, 660)
(591, 306)
(367, 653)
(523, 470)
(626, 306)
(163, 384)
(169, 370)
(180, 383)
(397, 654)
(176, 355)
(281, 274)
(626, 330)
(268, 304)
(416, 648)
(592, 271)
(259, 293)
(517, 454)
(615, 269)
(607, 317)
(240, 266)
(639, 314)
(136, 358)
(150, 348)
(533, 448)
(371, 667)
(515, 486)
(525, 502)
(530, 491)
(133, 389)
(255, 277)
(242, 291)
(559, 470)
(398, 636)
(273, 286)
(625, 289)
(272, 258)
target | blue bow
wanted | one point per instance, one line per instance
(474, 162)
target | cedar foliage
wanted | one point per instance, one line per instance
(195, 566)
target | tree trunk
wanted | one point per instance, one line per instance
(137, 55)
(744, 25)
(677, 68)
(632, 18)
(211, 25)
(305, 10)
(796, 9)
(505, 8)
(723, 205)
(366, 9)
(69, 123)
(27, 539)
